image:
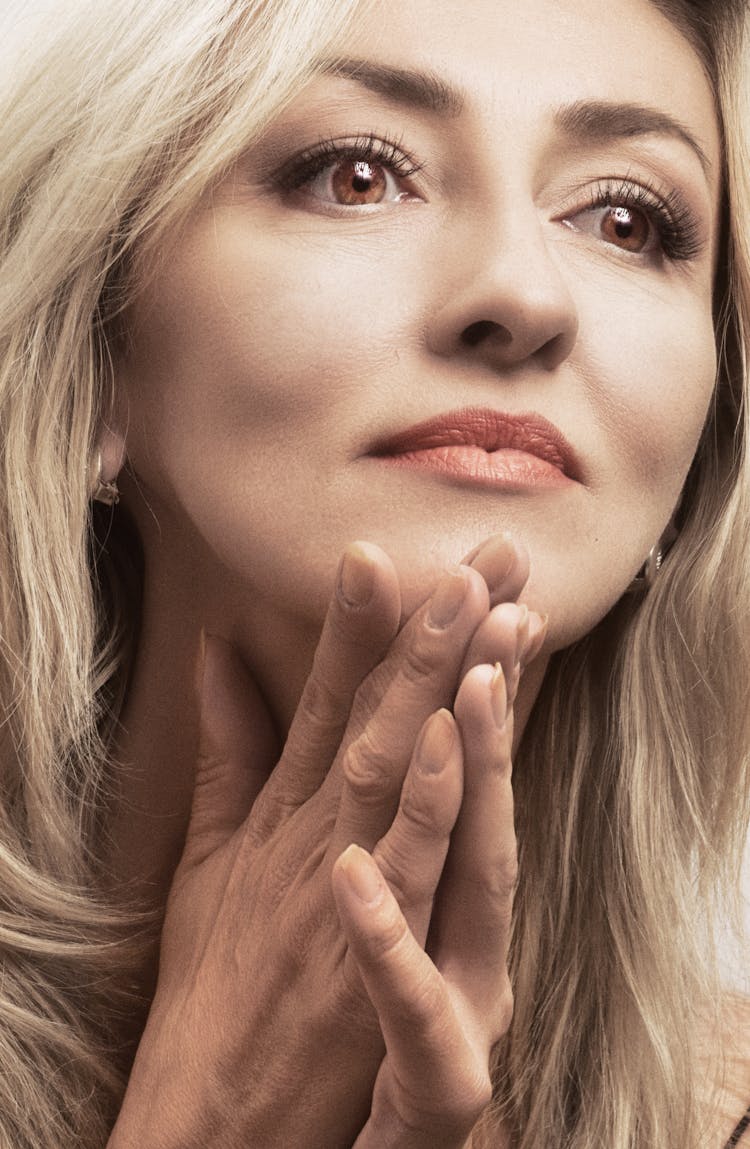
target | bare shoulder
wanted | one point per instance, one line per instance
(725, 1069)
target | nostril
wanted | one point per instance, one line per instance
(485, 329)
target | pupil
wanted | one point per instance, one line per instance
(623, 222)
(362, 178)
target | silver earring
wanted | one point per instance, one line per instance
(103, 491)
(646, 576)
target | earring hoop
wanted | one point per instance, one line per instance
(104, 491)
(646, 576)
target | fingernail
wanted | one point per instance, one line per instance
(447, 599)
(499, 696)
(537, 633)
(435, 743)
(494, 559)
(362, 875)
(356, 577)
(522, 631)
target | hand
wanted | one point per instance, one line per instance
(441, 1014)
(256, 1005)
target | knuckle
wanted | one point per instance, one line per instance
(423, 813)
(321, 705)
(412, 878)
(450, 1112)
(497, 1013)
(501, 1015)
(367, 770)
(502, 878)
(475, 1096)
(419, 659)
(211, 766)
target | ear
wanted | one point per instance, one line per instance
(110, 442)
(106, 462)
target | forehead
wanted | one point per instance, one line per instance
(516, 58)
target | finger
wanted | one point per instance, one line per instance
(237, 749)
(503, 562)
(370, 770)
(434, 1081)
(510, 635)
(361, 623)
(503, 565)
(412, 853)
(500, 638)
(472, 920)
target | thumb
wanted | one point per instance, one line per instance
(237, 751)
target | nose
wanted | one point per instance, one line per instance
(509, 300)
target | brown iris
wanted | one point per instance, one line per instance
(627, 228)
(358, 182)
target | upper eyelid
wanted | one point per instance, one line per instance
(648, 192)
(380, 148)
(625, 181)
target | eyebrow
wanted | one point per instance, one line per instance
(591, 121)
(598, 120)
(418, 89)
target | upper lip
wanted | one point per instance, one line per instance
(491, 430)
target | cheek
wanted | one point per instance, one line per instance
(249, 379)
(246, 332)
(654, 369)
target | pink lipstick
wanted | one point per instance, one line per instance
(489, 448)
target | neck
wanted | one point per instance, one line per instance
(157, 739)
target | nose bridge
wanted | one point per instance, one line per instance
(510, 298)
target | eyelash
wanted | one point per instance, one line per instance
(676, 228)
(369, 149)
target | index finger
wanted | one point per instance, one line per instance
(360, 625)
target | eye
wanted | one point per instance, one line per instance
(351, 173)
(639, 220)
(356, 182)
(622, 225)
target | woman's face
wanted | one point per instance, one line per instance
(508, 211)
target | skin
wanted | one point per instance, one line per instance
(487, 239)
(275, 339)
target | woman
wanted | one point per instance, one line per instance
(474, 287)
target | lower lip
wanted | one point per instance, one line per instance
(506, 469)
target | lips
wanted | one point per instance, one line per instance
(486, 445)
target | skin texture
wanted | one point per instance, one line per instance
(277, 337)
(247, 433)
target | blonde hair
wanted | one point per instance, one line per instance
(112, 124)
(631, 801)
(633, 783)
